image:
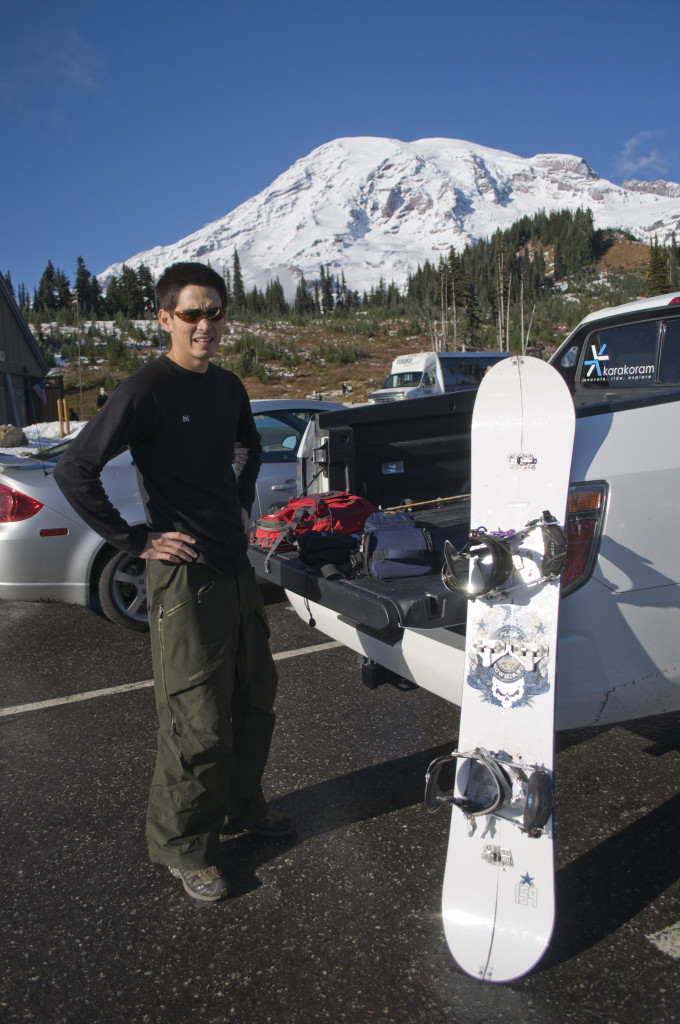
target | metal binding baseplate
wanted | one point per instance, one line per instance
(493, 783)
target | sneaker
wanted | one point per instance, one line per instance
(206, 884)
(274, 825)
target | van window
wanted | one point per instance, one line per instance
(621, 357)
(461, 371)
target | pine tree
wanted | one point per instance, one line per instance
(24, 299)
(275, 300)
(87, 290)
(674, 265)
(8, 282)
(62, 290)
(238, 291)
(147, 287)
(45, 297)
(326, 291)
(559, 265)
(130, 297)
(112, 302)
(303, 303)
(657, 272)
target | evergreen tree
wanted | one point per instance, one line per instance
(24, 299)
(657, 272)
(238, 291)
(87, 290)
(147, 288)
(130, 297)
(674, 265)
(303, 303)
(326, 291)
(45, 297)
(8, 282)
(62, 290)
(275, 299)
(112, 303)
(559, 265)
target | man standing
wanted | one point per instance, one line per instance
(190, 429)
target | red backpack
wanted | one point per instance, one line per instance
(334, 512)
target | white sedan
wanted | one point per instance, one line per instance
(48, 552)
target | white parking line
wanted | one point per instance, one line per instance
(668, 940)
(56, 702)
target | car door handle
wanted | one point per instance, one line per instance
(284, 486)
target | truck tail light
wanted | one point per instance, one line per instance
(585, 519)
(15, 506)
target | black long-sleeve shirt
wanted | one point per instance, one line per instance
(184, 430)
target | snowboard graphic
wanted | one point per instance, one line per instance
(498, 897)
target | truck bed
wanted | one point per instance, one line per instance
(382, 606)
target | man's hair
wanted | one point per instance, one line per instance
(179, 275)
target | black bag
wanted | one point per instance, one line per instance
(396, 546)
(331, 553)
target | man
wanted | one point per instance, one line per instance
(185, 422)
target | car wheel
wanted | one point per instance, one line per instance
(121, 589)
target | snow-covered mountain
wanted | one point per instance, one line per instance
(375, 208)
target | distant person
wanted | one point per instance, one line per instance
(191, 432)
(102, 398)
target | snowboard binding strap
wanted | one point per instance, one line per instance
(491, 785)
(554, 545)
(490, 790)
(481, 545)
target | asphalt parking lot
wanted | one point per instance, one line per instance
(340, 923)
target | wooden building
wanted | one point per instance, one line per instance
(21, 365)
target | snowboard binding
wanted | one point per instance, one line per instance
(481, 547)
(492, 556)
(490, 784)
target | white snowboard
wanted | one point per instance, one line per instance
(498, 898)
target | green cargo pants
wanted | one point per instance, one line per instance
(215, 684)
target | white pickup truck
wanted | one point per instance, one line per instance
(619, 652)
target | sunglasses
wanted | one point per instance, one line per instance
(194, 316)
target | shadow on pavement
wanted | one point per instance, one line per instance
(606, 887)
(333, 804)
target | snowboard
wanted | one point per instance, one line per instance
(498, 897)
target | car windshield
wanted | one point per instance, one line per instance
(280, 431)
(52, 453)
(409, 379)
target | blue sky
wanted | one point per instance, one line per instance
(128, 125)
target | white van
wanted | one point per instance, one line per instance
(434, 373)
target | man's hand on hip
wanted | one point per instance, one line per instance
(169, 547)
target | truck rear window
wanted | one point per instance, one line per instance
(669, 371)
